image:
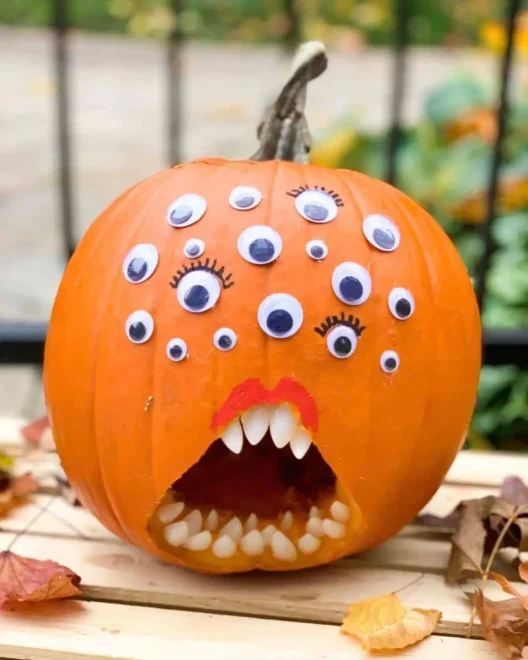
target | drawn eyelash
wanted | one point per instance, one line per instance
(350, 321)
(295, 192)
(203, 265)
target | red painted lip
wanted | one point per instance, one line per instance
(253, 393)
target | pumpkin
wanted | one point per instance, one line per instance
(261, 363)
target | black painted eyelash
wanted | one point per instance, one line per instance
(208, 267)
(331, 321)
(297, 191)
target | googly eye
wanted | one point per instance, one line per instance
(316, 206)
(186, 210)
(351, 283)
(341, 341)
(140, 263)
(259, 244)
(389, 361)
(224, 339)
(317, 250)
(401, 303)
(176, 349)
(198, 291)
(244, 198)
(194, 248)
(139, 326)
(280, 315)
(381, 232)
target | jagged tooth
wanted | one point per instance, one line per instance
(315, 526)
(308, 544)
(194, 521)
(283, 425)
(251, 522)
(256, 423)
(300, 443)
(333, 529)
(339, 511)
(199, 541)
(252, 544)
(170, 512)
(224, 547)
(267, 533)
(233, 529)
(315, 512)
(287, 521)
(177, 533)
(233, 437)
(282, 548)
(211, 522)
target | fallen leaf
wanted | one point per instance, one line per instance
(515, 491)
(5, 461)
(383, 623)
(504, 624)
(24, 485)
(467, 548)
(523, 571)
(509, 588)
(25, 579)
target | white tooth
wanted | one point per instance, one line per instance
(211, 522)
(251, 523)
(314, 512)
(170, 512)
(194, 521)
(199, 541)
(300, 443)
(315, 527)
(233, 437)
(282, 426)
(224, 547)
(233, 529)
(308, 544)
(333, 529)
(177, 533)
(339, 511)
(256, 422)
(287, 521)
(282, 548)
(252, 543)
(267, 533)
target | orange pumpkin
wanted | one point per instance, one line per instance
(261, 364)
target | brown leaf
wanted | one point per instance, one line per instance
(24, 579)
(467, 548)
(523, 571)
(509, 588)
(504, 624)
(382, 623)
(515, 491)
(24, 485)
(32, 433)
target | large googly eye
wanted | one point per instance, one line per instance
(316, 206)
(194, 248)
(259, 244)
(139, 326)
(341, 341)
(176, 349)
(381, 232)
(389, 361)
(318, 250)
(140, 263)
(401, 303)
(351, 283)
(198, 291)
(280, 315)
(224, 339)
(186, 210)
(244, 198)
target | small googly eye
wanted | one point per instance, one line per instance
(351, 283)
(198, 291)
(194, 248)
(224, 339)
(389, 361)
(244, 198)
(139, 326)
(140, 263)
(316, 206)
(401, 303)
(259, 244)
(186, 210)
(280, 315)
(381, 232)
(341, 341)
(176, 349)
(317, 250)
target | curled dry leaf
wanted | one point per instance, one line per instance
(14, 489)
(510, 589)
(34, 432)
(514, 491)
(523, 571)
(24, 579)
(382, 623)
(467, 548)
(504, 624)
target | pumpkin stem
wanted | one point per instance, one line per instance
(283, 133)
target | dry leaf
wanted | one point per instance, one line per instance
(509, 589)
(383, 623)
(24, 579)
(38, 434)
(523, 571)
(515, 491)
(467, 550)
(24, 485)
(504, 624)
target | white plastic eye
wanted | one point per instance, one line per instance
(316, 206)
(198, 291)
(186, 210)
(139, 326)
(244, 198)
(140, 263)
(225, 339)
(351, 283)
(259, 244)
(341, 341)
(401, 303)
(280, 315)
(318, 250)
(176, 349)
(194, 248)
(389, 361)
(381, 232)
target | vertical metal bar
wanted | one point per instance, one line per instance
(174, 50)
(502, 119)
(401, 41)
(60, 24)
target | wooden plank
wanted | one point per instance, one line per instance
(487, 468)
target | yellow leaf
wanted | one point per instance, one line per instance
(383, 623)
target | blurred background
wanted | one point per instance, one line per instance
(432, 96)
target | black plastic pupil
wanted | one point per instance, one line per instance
(390, 364)
(279, 322)
(343, 346)
(197, 297)
(193, 250)
(403, 308)
(137, 331)
(245, 201)
(181, 214)
(137, 269)
(351, 288)
(384, 238)
(261, 250)
(316, 251)
(316, 212)
(176, 351)
(225, 342)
